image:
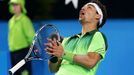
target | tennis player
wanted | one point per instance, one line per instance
(82, 53)
(20, 35)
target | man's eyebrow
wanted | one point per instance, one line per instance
(90, 5)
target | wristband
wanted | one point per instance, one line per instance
(68, 56)
(54, 59)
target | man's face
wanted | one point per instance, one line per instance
(87, 13)
(16, 8)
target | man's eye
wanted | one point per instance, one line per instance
(89, 7)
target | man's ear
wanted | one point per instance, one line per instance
(98, 16)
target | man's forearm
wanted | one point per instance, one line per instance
(54, 67)
(88, 61)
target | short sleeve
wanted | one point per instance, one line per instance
(98, 44)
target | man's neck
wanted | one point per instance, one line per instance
(17, 14)
(88, 28)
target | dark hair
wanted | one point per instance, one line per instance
(103, 8)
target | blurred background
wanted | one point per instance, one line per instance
(119, 30)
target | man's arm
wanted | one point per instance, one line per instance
(95, 53)
(28, 29)
(54, 67)
(87, 61)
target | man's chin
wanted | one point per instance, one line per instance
(81, 21)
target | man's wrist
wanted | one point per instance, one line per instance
(68, 56)
(54, 59)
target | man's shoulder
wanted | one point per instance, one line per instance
(66, 38)
(11, 19)
(25, 17)
(98, 33)
(101, 36)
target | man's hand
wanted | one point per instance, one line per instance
(55, 48)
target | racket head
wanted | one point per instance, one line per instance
(47, 31)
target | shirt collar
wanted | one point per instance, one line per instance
(18, 17)
(87, 33)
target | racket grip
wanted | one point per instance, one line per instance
(16, 67)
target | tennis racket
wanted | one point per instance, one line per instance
(36, 51)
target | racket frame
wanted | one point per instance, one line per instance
(27, 58)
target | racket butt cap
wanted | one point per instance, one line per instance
(10, 73)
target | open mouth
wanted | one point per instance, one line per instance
(82, 12)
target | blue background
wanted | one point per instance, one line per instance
(120, 54)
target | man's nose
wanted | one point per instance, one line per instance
(82, 9)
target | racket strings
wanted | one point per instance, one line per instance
(45, 32)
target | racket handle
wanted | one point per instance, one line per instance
(16, 67)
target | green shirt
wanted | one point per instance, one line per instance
(21, 32)
(90, 42)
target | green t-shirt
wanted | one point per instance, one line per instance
(21, 32)
(90, 42)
